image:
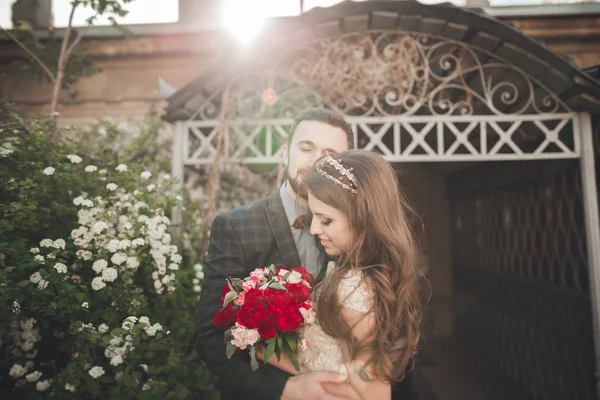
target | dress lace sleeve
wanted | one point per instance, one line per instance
(354, 292)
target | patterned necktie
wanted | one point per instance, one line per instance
(300, 222)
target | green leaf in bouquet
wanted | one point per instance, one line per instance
(228, 336)
(230, 285)
(269, 350)
(230, 349)
(291, 350)
(279, 347)
(273, 270)
(292, 342)
(253, 362)
(229, 297)
(293, 356)
(276, 285)
(237, 284)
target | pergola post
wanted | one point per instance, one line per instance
(592, 227)
(177, 171)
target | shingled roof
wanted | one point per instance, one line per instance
(470, 26)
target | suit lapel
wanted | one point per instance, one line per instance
(281, 231)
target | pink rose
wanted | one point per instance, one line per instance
(248, 285)
(240, 299)
(243, 337)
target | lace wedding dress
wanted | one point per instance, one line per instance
(323, 352)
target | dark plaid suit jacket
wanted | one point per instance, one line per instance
(241, 240)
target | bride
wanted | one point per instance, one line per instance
(368, 314)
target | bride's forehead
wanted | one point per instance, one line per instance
(319, 207)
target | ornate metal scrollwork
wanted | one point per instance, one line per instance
(392, 73)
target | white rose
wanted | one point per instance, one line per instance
(294, 277)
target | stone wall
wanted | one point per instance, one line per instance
(131, 66)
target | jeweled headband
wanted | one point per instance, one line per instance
(347, 172)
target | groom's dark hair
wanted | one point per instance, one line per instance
(325, 116)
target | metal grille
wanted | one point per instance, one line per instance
(521, 279)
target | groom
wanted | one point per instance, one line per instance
(262, 234)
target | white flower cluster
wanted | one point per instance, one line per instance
(74, 158)
(57, 244)
(96, 372)
(25, 335)
(8, 147)
(36, 278)
(199, 269)
(118, 348)
(151, 330)
(80, 201)
(79, 326)
(113, 231)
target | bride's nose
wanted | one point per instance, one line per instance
(315, 227)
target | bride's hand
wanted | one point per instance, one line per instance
(260, 351)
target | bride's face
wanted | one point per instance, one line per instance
(331, 226)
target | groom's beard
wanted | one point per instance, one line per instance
(298, 184)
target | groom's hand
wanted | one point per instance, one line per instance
(311, 386)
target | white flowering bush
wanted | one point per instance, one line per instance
(97, 299)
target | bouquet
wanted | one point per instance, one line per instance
(269, 306)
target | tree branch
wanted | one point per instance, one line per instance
(30, 53)
(62, 61)
(73, 45)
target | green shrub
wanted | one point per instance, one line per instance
(97, 299)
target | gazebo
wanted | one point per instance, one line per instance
(508, 125)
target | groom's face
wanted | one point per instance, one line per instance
(310, 141)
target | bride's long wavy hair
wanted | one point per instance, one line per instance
(385, 253)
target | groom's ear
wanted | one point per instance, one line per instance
(285, 154)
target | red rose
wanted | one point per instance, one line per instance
(305, 275)
(299, 291)
(290, 320)
(225, 317)
(267, 333)
(270, 309)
